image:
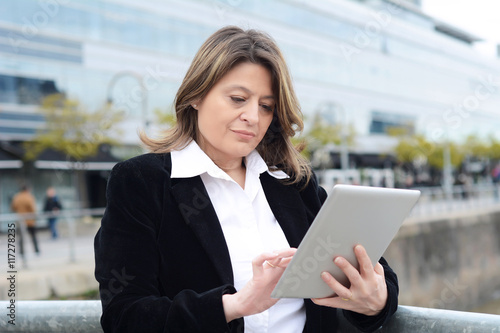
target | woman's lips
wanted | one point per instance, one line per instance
(244, 134)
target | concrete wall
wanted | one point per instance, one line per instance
(451, 262)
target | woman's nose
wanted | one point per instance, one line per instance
(250, 113)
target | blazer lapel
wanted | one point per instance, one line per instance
(287, 207)
(199, 214)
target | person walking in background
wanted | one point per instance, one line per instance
(495, 177)
(24, 203)
(52, 205)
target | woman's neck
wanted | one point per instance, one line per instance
(234, 167)
(231, 166)
(237, 171)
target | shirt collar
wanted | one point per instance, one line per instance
(191, 161)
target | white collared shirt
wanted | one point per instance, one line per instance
(249, 227)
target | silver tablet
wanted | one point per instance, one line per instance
(351, 215)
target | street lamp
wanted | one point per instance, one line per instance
(447, 171)
(136, 94)
(332, 107)
(344, 152)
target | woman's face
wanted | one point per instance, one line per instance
(235, 114)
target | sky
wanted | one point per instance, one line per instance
(479, 17)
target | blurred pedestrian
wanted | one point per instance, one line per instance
(24, 203)
(495, 173)
(52, 205)
(495, 177)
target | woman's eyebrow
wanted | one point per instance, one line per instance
(248, 91)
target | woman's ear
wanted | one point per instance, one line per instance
(195, 104)
(275, 125)
(274, 129)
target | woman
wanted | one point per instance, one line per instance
(197, 233)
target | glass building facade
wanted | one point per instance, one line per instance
(380, 65)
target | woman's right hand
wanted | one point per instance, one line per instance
(255, 296)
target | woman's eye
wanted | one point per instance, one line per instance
(267, 107)
(237, 99)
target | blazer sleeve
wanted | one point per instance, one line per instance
(372, 323)
(127, 260)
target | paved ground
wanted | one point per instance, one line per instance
(64, 268)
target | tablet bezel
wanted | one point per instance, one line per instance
(366, 208)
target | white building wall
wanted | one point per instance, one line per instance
(367, 59)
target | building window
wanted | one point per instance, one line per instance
(391, 123)
(22, 90)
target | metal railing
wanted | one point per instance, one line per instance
(435, 200)
(84, 316)
(411, 319)
(67, 217)
(65, 213)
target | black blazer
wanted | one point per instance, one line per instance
(162, 262)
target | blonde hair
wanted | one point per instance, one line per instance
(223, 50)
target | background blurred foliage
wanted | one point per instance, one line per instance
(165, 119)
(411, 148)
(416, 148)
(321, 134)
(73, 130)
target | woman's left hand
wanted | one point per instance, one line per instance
(368, 291)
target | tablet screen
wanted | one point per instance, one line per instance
(351, 215)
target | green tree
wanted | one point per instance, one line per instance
(416, 149)
(166, 118)
(475, 147)
(493, 148)
(321, 134)
(436, 158)
(73, 130)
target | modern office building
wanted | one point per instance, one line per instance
(374, 65)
